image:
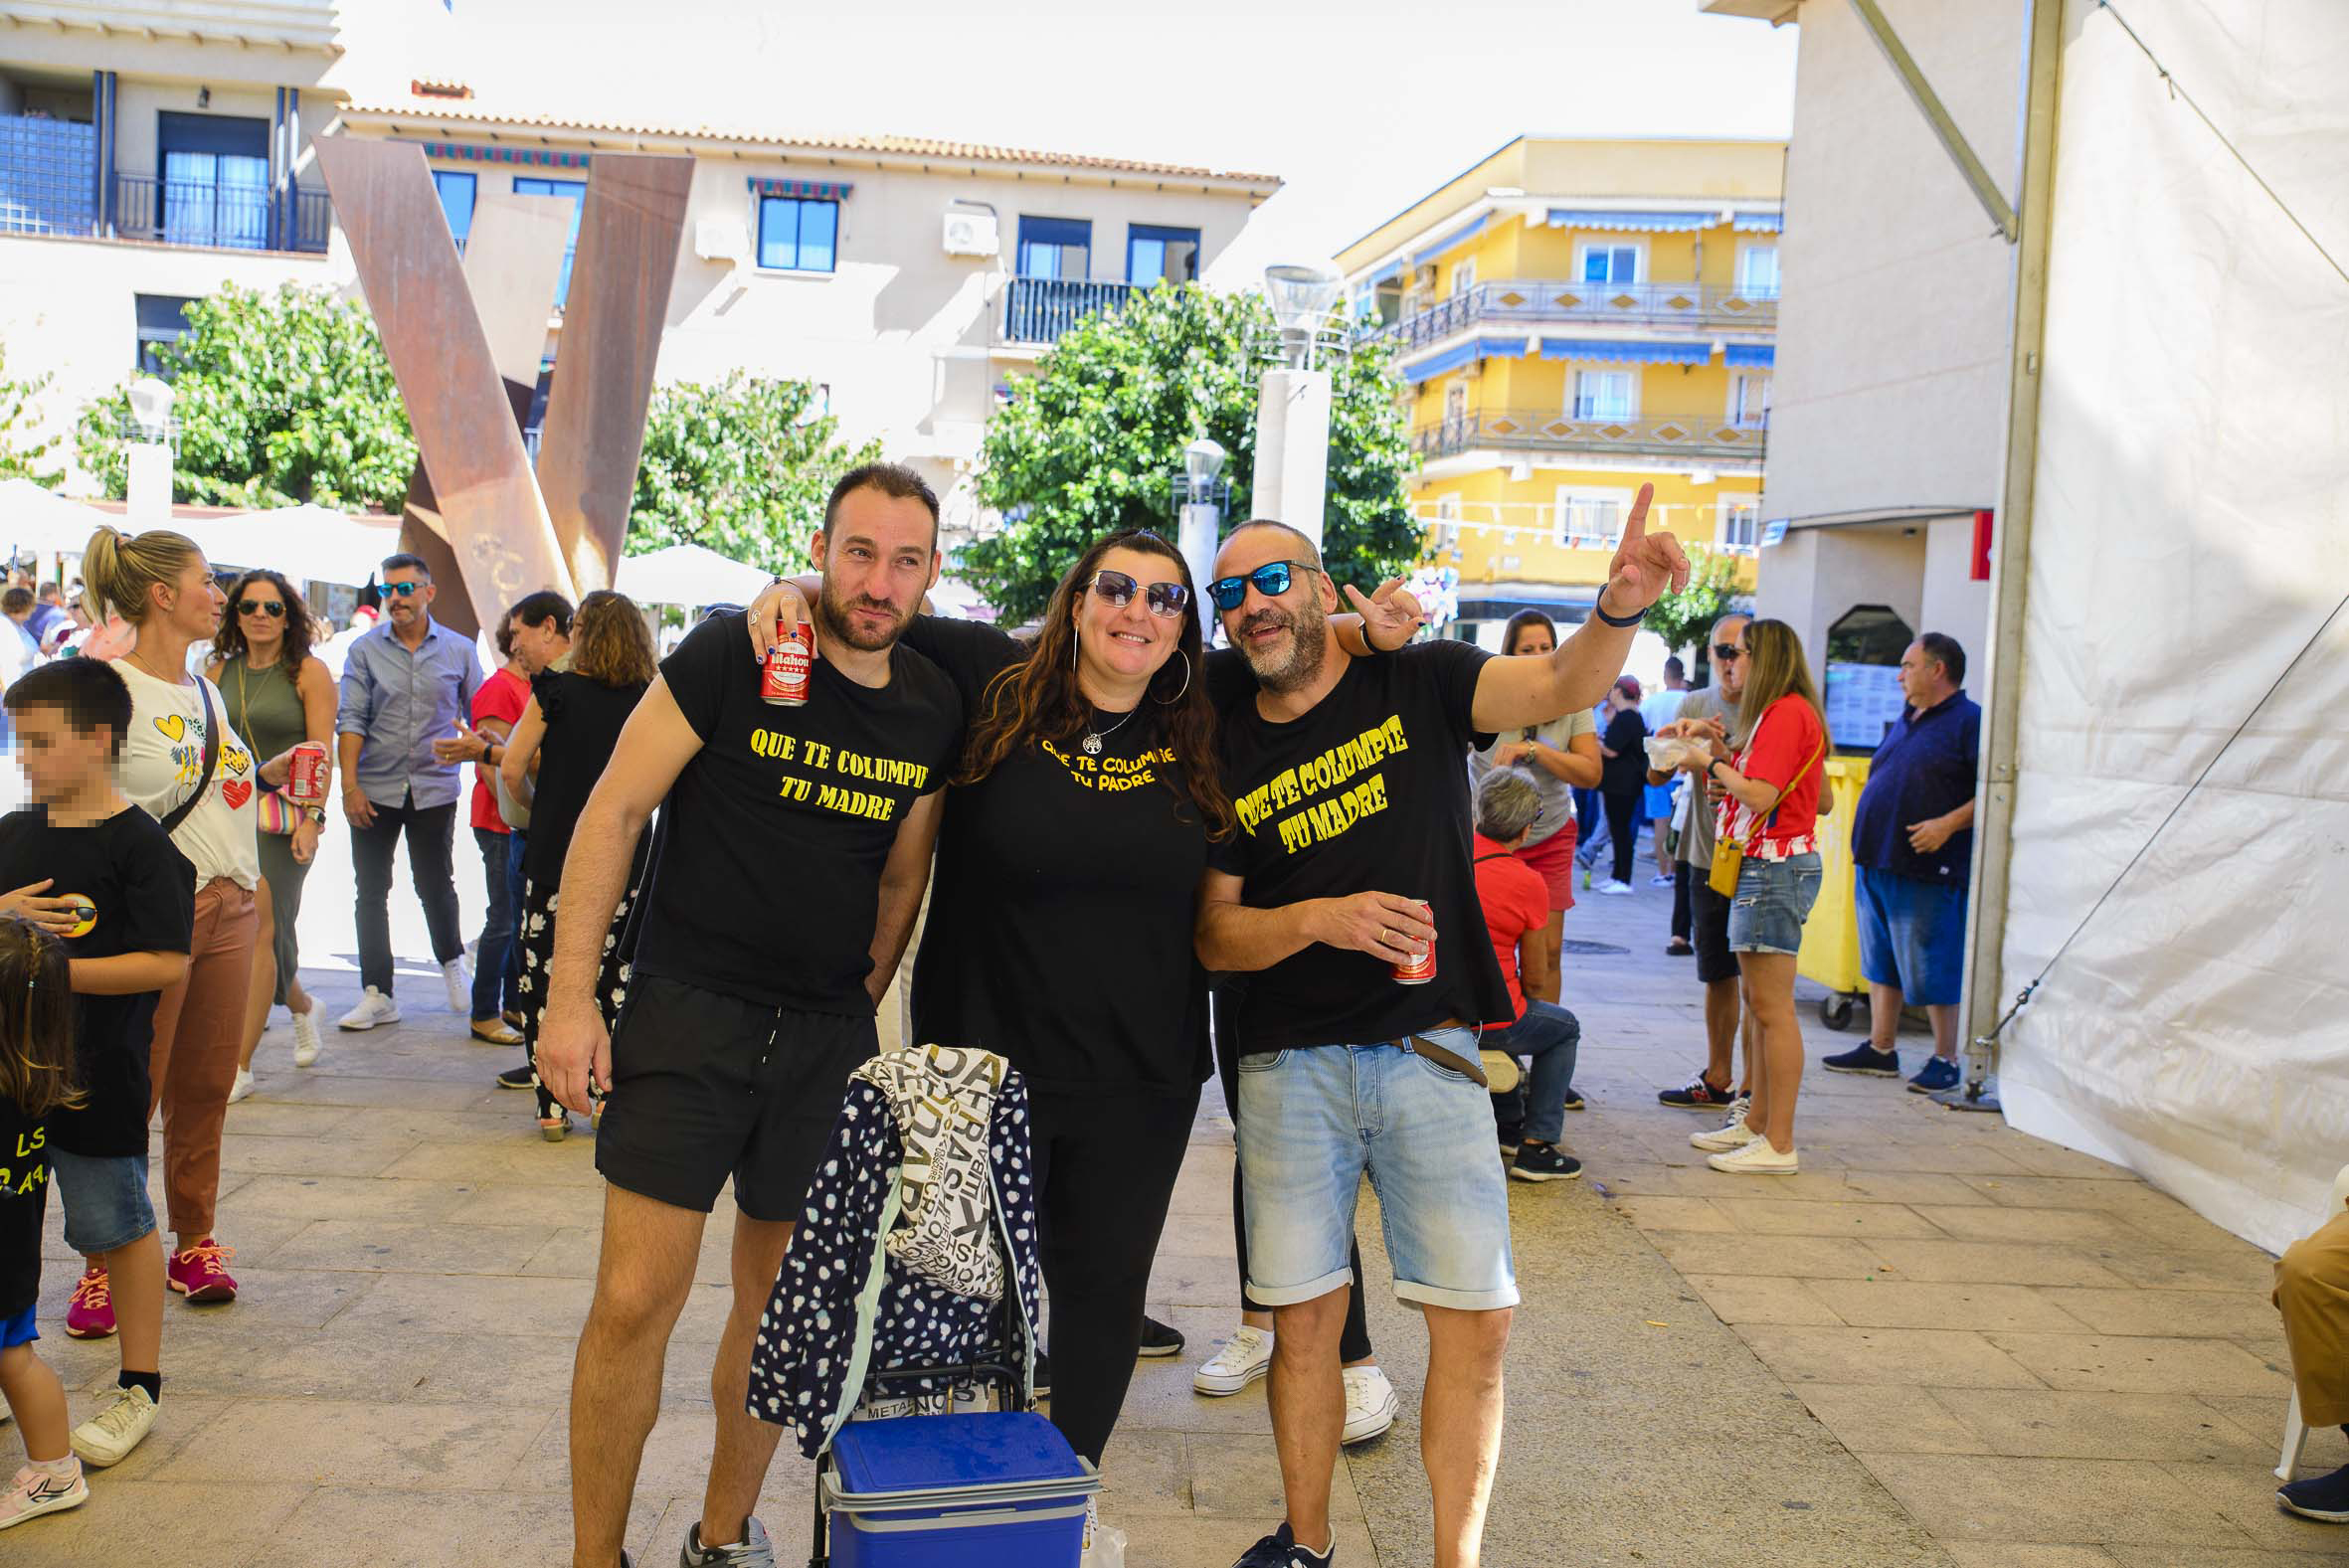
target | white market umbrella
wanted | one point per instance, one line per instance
(690, 575)
(305, 543)
(46, 523)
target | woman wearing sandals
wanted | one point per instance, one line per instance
(278, 694)
(1770, 795)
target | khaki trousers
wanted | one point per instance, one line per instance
(199, 1025)
(2312, 1293)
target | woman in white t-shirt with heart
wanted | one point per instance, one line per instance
(183, 763)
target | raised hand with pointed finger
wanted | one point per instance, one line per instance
(1645, 564)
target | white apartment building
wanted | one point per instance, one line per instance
(151, 152)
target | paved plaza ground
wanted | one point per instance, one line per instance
(1944, 1342)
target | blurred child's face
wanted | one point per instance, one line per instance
(57, 759)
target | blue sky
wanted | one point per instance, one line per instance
(1361, 106)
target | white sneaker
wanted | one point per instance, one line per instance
(460, 980)
(1245, 1358)
(374, 1008)
(108, 1437)
(1732, 1133)
(1613, 888)
(305, 1034)
(241, 1086)
(1370, 1404)
(36, 1491)
(1757, 1158)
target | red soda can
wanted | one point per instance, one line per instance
(1421, 969)
(789, 663)
(306, 782)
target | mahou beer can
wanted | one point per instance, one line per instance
(306, 781)
(789, 663)
(1421, 969)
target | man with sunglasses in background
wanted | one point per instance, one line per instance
(1352, 857)
(406, 684)
(1716, 1088)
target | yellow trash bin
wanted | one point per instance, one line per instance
(1831, 937)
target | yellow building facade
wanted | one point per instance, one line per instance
(1571, 319)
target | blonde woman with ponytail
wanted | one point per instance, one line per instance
(160, 586)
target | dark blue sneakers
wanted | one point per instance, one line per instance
(1280, 1550)
(1865, 1059)
(2324, 1497)
(1938, 1074)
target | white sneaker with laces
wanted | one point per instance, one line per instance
(1614, 889)
(460, 980)
(1370, 1404)
(108, 1437)
(374, 1008)
(240, 1085)
(305, 1034)
(1760, 1157)
(1245, 1358)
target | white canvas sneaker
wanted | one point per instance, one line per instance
(1732, 1133)
(460, 980)
(1757, 1158)
(108, 1437)
(240, 1086)
(374, 1008)
(1370, 1404)
(305, 1034)
(1245, 1358)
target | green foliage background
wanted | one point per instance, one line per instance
(25, 454)
(1090, 446)
(1680, 619)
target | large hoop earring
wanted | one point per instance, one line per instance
(1076, 657)
(1170, 702)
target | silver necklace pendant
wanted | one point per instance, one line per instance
(1092, 745)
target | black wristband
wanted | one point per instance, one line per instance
(1599, 610)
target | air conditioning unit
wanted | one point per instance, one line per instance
(971, 234)
(721, 240)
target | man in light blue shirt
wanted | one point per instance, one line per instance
(407, 689)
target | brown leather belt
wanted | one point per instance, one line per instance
(1421, 1046)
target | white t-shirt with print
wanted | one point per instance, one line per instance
(163, 757)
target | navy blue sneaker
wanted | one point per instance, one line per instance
(1698, 1094)
(2324, 1497)
(1938, 1074)
(1280, 1550)
(1865, 1059)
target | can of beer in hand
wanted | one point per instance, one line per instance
(789, 663)
(306, 781)
(1420, 969)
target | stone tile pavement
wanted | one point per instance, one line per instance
(1944, 1342)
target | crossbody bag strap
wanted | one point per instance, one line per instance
(1762, 827)
(179, 813)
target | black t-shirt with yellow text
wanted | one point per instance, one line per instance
(1368, 793)
(812, 796)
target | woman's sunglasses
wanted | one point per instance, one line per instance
(1117, 590)
(273, 607)
(1271, 579)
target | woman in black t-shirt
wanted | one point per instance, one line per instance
(1623, 780)
(557, 752)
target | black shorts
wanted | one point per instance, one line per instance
(706, 1086)
(1709, 924)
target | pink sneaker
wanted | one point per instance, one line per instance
(91, 1313)
(201, 1273)
(36, 1491)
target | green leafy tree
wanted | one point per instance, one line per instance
(740, 466)
(1680, 619)
(26, 451)
(283, 399)
(1090, 446)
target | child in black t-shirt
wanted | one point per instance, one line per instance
(101, 875)
(35, 1083)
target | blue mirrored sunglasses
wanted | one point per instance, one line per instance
(1271, 579)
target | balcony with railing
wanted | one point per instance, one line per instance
(49, 185)
(1670, 437)
(1038, 310)
(1691, 307)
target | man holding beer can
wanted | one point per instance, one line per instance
(745, 1015)
(1348, 892)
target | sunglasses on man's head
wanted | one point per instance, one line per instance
(1117, 590)
(402, 588)
(269, 607)
(1271, 579)
(1727, 651)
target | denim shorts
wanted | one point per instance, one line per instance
(1315, 1120)
(106, 1199)
(1773, 898)
(1913, 935)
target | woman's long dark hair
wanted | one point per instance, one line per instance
(1520, 622)
(36, 1020)
(1037, 699)
(230, 642)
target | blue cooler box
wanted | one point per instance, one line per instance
(987, 1491)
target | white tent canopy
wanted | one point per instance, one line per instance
(44, 522)
(688, 575)
(305, 543)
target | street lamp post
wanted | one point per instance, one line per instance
(1201, 520)
(1293, 404)
(147, 496)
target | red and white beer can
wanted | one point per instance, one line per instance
(306, 781)
(1419, 971)
(789, 663)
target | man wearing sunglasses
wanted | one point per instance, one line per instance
(1349, 781)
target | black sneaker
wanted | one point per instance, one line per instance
(1698, 1094)
(1510, 1134)
(1159, 1339)
(1043, 1384)
(518, 1078)
(1545, 1162)
(1575, 1100)
(2323, 1498)
(1865, 1059)
(1280, 1550)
